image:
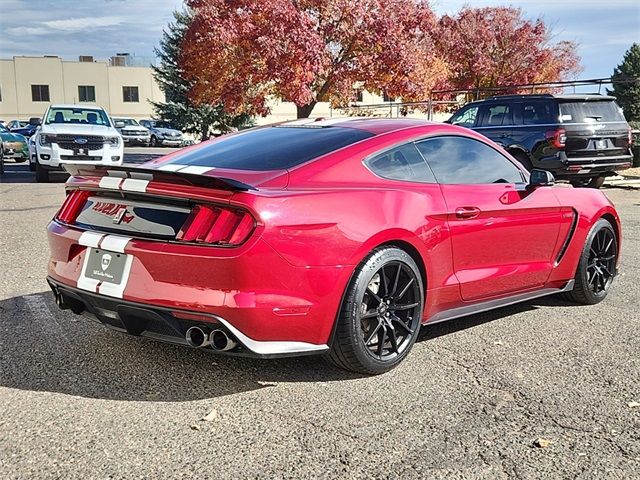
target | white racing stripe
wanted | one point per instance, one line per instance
(171, 168)
(110, 182)
(90, 239)
(196, 169)
(115, 243)
(134, 185)
(85, 283)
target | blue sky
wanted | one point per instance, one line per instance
(604, 28)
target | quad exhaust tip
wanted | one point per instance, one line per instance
(221, 341)
(199, 337)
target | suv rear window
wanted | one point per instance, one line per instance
(589, 112)
(270, 148)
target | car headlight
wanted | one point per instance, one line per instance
(113, 141)
(46, 140)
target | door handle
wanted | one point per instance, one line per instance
(467, 213)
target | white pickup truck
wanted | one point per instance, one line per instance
(77, 135)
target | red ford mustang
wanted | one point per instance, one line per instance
(335, 237)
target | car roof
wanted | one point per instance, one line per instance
(83, 107)
(376, 126)
(585, 97)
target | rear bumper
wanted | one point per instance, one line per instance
(169, 325)
(567, 167)
(252, 290)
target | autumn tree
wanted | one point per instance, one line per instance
(178, 108)
(243, 52)
(496, 46)
(626, 87)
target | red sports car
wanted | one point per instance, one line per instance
(335, 237)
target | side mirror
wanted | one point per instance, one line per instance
(541, 178)
(119, 124)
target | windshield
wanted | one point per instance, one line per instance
(77, 116)
(590, 112)
(3, 129)
(127, 121)
(160, 124)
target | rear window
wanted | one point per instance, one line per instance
(271, 148)
(589, 112)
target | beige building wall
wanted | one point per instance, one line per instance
(64, 77)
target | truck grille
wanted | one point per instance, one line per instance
(75, 146)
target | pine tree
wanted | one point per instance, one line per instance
(628, 91)
(178, 108)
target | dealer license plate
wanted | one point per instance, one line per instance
(106, 266)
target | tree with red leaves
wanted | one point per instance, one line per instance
(496, 46)
(243, 52)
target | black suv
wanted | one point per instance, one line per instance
(580, 138)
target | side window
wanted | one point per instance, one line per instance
(537, 113)
(497, 116)
(462, 160)
(401, 163)
(465, 117)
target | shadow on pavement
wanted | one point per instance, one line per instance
(45, 349)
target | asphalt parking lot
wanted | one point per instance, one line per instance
(477, 398)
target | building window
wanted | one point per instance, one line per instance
(130, 94)
(387, 98)
(86, 93)
(40, 93)
(358, 95)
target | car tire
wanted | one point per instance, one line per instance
(524, 159)
(32, 166)
(597, 265)
(42, 175)
(20, 160)
(596, 182)
(380, 316)
(154, 141)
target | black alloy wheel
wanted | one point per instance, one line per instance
(601, 265)
(597, 267)
(388, 316)
(381, 313)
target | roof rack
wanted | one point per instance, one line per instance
(520, 97)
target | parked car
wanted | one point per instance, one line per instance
(29, 129)
(132, 132)
(335, 237)
(13, 124)
(76, 134)
(33, 152)
(580, 138)
(162, 133)
(14, 145)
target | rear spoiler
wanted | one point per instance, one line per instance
(151, 174)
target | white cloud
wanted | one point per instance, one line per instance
(28, 31)
(80, 24)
